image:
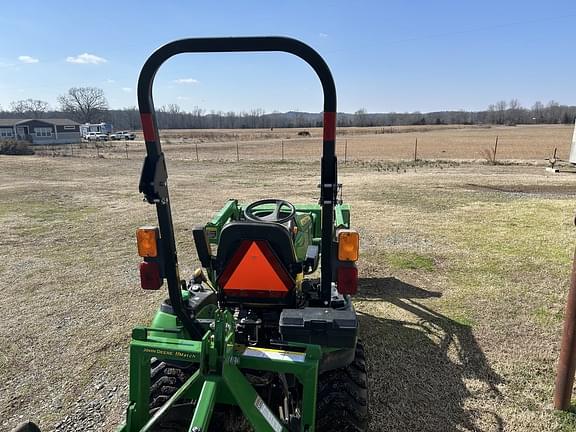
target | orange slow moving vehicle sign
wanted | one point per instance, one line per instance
(254, 270)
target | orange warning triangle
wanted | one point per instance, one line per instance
(256, 272)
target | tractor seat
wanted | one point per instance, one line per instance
(256, 263)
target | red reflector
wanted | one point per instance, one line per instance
(347, 280)
(150, 276)
(255, 271)
(329, 126)
(148, 127)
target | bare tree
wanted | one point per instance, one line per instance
(514, 104)
(553, 112)
(197, 114)
(491, 114)
(29, 108)
(514, 111)
(133, 117)
(173, 109)
(173, 116)
(538, 112)
(253, 115)
(501, 108)
(360, 117)
(86, 104)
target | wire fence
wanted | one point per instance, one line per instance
(491, 148)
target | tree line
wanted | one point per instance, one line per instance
(89, 105)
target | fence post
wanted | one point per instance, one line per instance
(97, 150)
(416, 150)
(282, 150)
(567, 360)
(126, 149)
(237, 152)
(196, 146)
(346, 151)
(495, 148)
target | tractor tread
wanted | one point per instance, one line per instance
(342, 396)
(342, 401)
(165, 380)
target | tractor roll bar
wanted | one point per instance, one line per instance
(153, 180)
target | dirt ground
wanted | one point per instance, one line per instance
(464, 271)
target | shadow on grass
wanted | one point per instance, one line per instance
(423, 371)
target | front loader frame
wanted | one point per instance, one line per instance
(218, 378)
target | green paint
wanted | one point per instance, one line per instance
(230, 211)
(308, 222)
(205, 405)
(219, 378)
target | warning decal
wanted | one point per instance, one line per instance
(274, 354)
(267, 414)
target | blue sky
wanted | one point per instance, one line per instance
(385, 56)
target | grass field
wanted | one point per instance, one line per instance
(464, 271)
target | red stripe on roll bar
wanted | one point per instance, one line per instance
(148, 127)
(329, 126)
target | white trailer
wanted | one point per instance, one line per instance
(554, 162)
(105, 128)
(572, 158)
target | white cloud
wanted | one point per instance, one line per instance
(110, 81)
(86, 59)
(126, 89)
(323, 35)
(182, 98)
(186, 81)
(28, 59)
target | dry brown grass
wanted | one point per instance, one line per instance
(532, 143)
(434, 142)
(464, 273)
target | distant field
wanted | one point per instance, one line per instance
(463, 277)
(532, 143)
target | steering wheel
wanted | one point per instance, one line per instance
(273, 217)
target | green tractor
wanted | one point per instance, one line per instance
(265, 337)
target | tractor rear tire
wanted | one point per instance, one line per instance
(165, 380)
(342, 401)
(26, 427)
